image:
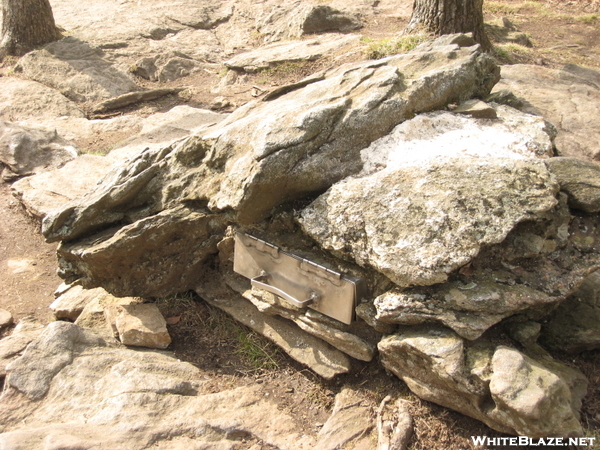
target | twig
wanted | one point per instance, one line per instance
(395, 432)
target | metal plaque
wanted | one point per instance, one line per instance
(298, 281)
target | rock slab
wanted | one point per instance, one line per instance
(509, 391)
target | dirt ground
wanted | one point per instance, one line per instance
(229, 354)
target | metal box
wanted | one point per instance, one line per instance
(298, 281)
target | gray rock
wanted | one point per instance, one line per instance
(158, 254)
(525, 333)
(325, 360)
(47, 191)
(77, 70)
(13, 345)
(313, 323)
(32, 373)
(25, 151)
(132, 98)
(21, 99)
(294, 51)
(94, 314)
(469, 309)
(165, 67)
(507, 390)
(69, 304)
(477, 109)
(350, 424)
(580, 179)
(411, 214)
(6, 318)
(270, 152)
(575, 325)
(112, 397)
(569, 99)
(140, 325)
(297, 19)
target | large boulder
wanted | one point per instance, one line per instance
(25, 151)
(77, 70)
(412, 213)
(512, 392)
(267, 153)
(79, 390)
(569, 98)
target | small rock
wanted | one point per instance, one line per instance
(6, 318)
(349, 420)
(220, 103)
(477, 109)
(141, 325)
(71, 303)
(580, 179)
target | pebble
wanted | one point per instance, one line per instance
(6, 318)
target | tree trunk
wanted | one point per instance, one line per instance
(449, 16)
(26, 24)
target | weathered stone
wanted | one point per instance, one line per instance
(77, 70)
(509, 391)
(350, 424)
(304, 348)
(47, 191)
(477, 109)
(165, 67)
(469, 309)
(568, 98)
(140, 325)
(158, 254)
(98, 301)
(525, 333)
(6, 318)
(575, 325)
(32, 373)
(131, 98)
(411, 214)
(297, 19)
(13, 345)
(314, 323)
(25, 151)
(22, 99)
(580, 179)
(112, 397)
(69, 304)
(294, 51)
(269, 152)
(162, 129)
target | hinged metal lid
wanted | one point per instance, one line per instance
(297, 280)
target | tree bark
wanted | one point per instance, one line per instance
(26, 24)
(449, 16)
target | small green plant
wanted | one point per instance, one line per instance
(590, 19)
(500, 8)
(255, 350)
(385, 47)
